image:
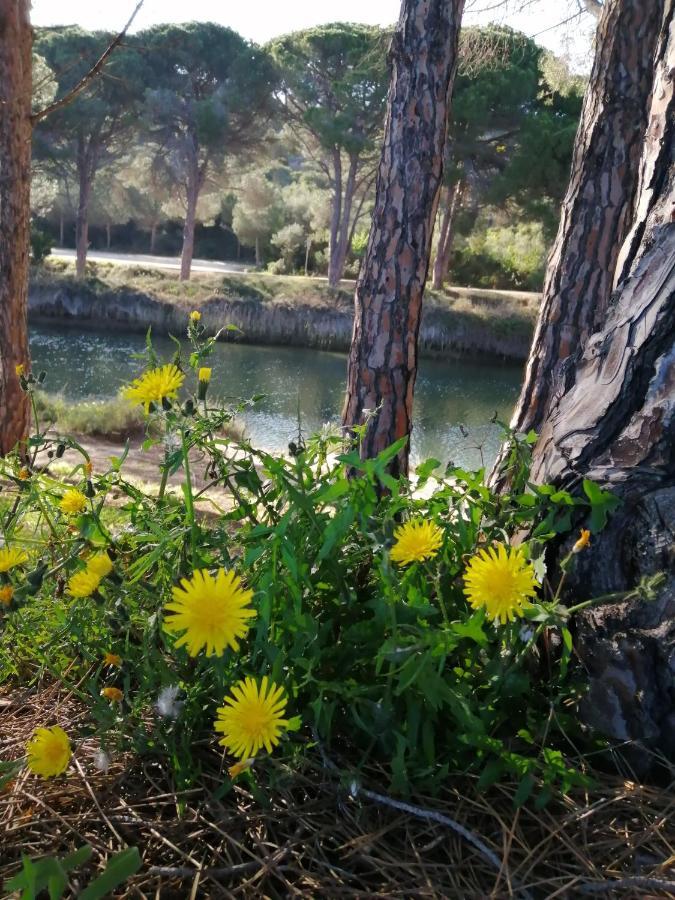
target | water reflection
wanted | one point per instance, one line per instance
(308, 384)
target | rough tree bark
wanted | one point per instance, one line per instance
(614, 422)
(87, 163)
(447, 234)
(340, 235)
(388, 302)
(597, 210)
(15, 151)
(194, 185)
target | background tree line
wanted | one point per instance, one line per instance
(194, 141)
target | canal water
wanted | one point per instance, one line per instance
(455, 399)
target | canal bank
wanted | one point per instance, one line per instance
(268, 310)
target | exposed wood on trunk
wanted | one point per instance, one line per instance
(446, 237)
(383, 358)
(597, 210)
(15, 155)
(614, 422)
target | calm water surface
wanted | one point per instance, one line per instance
(93, 365)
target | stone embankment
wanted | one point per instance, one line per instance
(446, 328)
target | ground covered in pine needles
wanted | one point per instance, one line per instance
(313, 835)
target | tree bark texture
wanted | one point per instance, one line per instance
(614, 422)
(388, 301)
(445, 239)
(189, 235)
(193, 187)
(597, 210)
(87, 163)
(15, 154)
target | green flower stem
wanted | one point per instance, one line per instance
(49, 522)
(162, 485)
(189, 500)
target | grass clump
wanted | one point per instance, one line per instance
(112, 418)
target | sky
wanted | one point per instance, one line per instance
(260, 20)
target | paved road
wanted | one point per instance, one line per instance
(154, 262)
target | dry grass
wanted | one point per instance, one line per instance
(166, 285)
(310, 837)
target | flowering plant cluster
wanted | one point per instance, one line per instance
(385, 619)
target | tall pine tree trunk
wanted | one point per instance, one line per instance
(85, 172)
(335, 219)
(446, 237)
(15, 150)
(612, 420)
(388, 303)
(189, 231)
(597, 210)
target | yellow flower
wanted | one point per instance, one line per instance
(112, 659)
(9, 557)
(242, 766)
(19, 369)
(195, 315)
(6, 594)
(583, 542)
(253, 718)
(205, 374)
(416, 541)
(100, 565)
(24, 474)
(501, 581)
(48, 751)
(73, 502)
(155, 385)
(212, 611)
(115, 695)
(83, 584)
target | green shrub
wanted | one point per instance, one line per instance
(502, 257)
(41, 245)
(378, 650)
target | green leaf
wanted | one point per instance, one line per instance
(425, 469)
(524, 791)
(490, 774)
(120, 867)
(472, 628)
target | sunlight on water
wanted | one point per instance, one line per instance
(448, 393)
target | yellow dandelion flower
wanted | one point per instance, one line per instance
(205, 374)
(115, 695)
(253, 718)
(242, 766)
(213, 612)
(501, 581)
(83, 584)
(73, 502)
(195, 315)
(100, 565)
(415, 541)
(24, 474)
(112, 659)
(155, 385)
(583, 542)
(10, 557)
(19, 369)
(6, 594)
(48, 752)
